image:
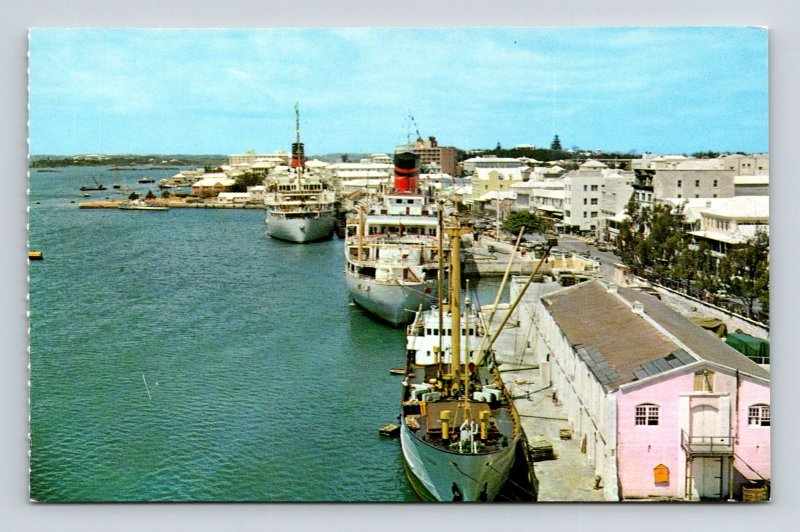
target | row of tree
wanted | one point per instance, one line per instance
(655, 243)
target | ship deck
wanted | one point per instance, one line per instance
(500, 433)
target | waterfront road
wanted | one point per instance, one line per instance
(606, 259)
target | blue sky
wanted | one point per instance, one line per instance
(665, 90)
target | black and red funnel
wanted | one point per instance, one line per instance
(298, 155)
(406, 172)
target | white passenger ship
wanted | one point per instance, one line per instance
(391, 252)
(299, 208)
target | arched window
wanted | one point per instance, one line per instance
(647, 414)
(758, 415)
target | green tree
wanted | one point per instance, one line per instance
(630, 234)
(518, 219)
(345, 157)
(165, 194)
(150, 195)
(133, 196)
(245, 180)
(556, 144)
(744, 272)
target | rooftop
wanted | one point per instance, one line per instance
(621, 344)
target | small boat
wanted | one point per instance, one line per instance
(145, 180)
(116, 185)
(97, 186)
(139, 205)
(397, 371)
(35, 255)
(389, 430)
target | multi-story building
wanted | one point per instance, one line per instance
(362, 176)
(616, 192)
(732, 222)
(756, 164)
(662, 408)
(582, 195)
(681, 177)
(432, 157)
(548, 196)
(493, 185)
(251, 157)
(470, 165)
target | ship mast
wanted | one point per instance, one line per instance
(298, 150)
(440, 280)
(455, 232)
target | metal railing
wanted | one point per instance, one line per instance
(707, 445)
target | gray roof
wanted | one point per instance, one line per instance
(706, 345)
(619, 346)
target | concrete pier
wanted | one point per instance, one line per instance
(488, 257)
(172, 204)
(568, 477)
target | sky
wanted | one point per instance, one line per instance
(214, 91)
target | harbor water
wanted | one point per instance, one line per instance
(186, 356)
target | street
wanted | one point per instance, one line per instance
(606, 259)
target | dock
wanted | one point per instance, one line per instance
(172, 204)
(562, 471)
(488, 257)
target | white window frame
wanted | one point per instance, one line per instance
(646, 415)
(758, 415)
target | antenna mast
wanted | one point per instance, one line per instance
(298, 149)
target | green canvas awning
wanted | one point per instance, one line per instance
(750, 346)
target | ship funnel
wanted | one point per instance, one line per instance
(406, 172)
(298, 155)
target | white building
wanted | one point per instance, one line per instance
(732, 222)
(360, 170)
(489, 161)
(251, 157)
(616, 192)
(582, 194)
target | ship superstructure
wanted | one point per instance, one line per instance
(392, 248)
(299, 207)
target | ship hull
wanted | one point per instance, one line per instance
(439, 475)
(394, 303)
(300, 230)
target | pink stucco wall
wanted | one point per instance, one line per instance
(640, 448)
(753, 442)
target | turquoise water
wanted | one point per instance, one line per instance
(186, 356)
(265, 384)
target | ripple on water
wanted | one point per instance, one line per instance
(265, 384)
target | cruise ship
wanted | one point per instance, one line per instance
(392, 250)
(299, 207)
(460, 433)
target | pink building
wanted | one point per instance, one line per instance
(666, 408)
